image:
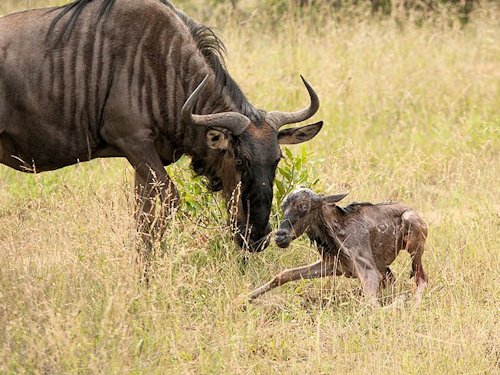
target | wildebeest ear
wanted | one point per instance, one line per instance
(332, 199)
(217, 140)
(293, 136)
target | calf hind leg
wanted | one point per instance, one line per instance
(419, 274)
(415, 235)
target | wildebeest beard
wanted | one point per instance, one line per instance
(251, 192)
(201, 168)
(256, 198)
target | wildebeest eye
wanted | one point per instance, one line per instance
(304, 207)
(238, 162)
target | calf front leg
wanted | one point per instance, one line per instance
(318, 269)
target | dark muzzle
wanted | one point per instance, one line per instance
(253, 240)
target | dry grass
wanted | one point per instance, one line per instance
(412, 115)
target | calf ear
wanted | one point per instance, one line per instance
(217, 140)
(332, 199)
(293, 136)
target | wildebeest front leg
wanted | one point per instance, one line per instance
(151, 225)
(146, 194)
(151, 182)
(320, 268)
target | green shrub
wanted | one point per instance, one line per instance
(294, 171)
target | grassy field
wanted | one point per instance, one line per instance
(412, 114)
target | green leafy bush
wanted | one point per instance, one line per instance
(294, 171)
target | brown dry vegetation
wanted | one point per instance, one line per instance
(413, 114)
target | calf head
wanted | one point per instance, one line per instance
(300, 208)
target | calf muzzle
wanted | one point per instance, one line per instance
(283, 238)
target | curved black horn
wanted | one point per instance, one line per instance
(278, 119)
(233, 121)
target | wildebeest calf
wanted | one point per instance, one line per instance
(360, 240)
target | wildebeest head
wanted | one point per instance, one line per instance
(297, 208)
(250, 153)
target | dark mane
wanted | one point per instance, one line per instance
(207, 41)
(355, 206)
(202, 168)
(76, 8)
(213, 49)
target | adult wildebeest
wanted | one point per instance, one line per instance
(360, 240)
(124, 78)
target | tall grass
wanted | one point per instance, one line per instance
(412, 114)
